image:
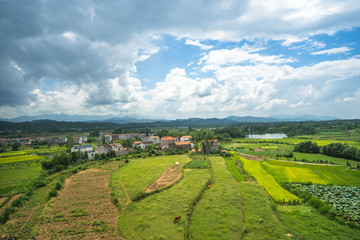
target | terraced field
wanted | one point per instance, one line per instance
(219, 214)
(303, 173)
(267, 181)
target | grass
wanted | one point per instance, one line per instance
(19, 158)
(233, 170)
(306, 223)
(320, 174)
(320, 158)
(152, 217)
(198, 164)
(219, 213)
(261, 221)
(15, 177)
(132, 180)
(267, 181)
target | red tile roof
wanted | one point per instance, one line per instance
(182, 143)
(168, 138)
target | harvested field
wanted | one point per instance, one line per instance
(250, 157)
(82, 210)
(170, 176)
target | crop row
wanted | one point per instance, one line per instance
(345, 200)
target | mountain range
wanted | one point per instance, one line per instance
(178, 122)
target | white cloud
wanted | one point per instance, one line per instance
(91, 51)
(216, 58)
(332, 51)
(198, 44)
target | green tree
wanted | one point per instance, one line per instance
(69, 144)
(16, 146)
(307, 147)
(196, 137)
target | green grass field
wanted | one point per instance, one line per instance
(133, 179)
(219, 213)
(321, 174)
(152, 217)
(267, 181)
(19, 158)
(198, 164)
(306, 223)
(324, 158)
(16, 177)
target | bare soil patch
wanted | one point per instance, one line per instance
(9, 202)
(2, 200)
(259, 150)
(251, 157)
(83, 209)
(170, 176)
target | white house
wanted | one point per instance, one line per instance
(185, 139)
(105, 148)
(136, 144)
(155, 140)
(82, 148)
(116, 147)
(165, 141)
(87, 149)
(108, 138)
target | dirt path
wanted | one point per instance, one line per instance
(170, 176)
(82, 210)
(9, 202)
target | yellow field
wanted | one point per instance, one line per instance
(267, 181)
(19, 158)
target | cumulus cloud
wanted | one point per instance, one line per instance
(332, 51)
(81, 56)
(198, 44)
(245, 54)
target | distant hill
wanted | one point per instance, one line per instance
(161, 122)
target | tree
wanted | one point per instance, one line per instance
(147, 131)
(196, 137)
(208, 137)
(163, 133)
(16, 146)
(69, 144)
(118, 131)
(307, 147)
(94, 133)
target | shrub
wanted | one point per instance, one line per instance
(52, 193)
(325, 208)
(316, 203)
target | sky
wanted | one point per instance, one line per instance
(180, 59)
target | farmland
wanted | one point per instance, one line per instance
(110, 198)
(268, 182)
(303, 173)
(15, 177)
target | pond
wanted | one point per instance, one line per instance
(267, 136)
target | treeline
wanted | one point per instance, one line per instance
(10, 129)
(18, 129)
(332, 149)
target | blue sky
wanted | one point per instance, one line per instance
(179, 59)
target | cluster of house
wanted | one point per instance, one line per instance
(100, 149)
(166, 143)
(28, 141)
(124, 136)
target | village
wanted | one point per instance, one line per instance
(107, 143)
